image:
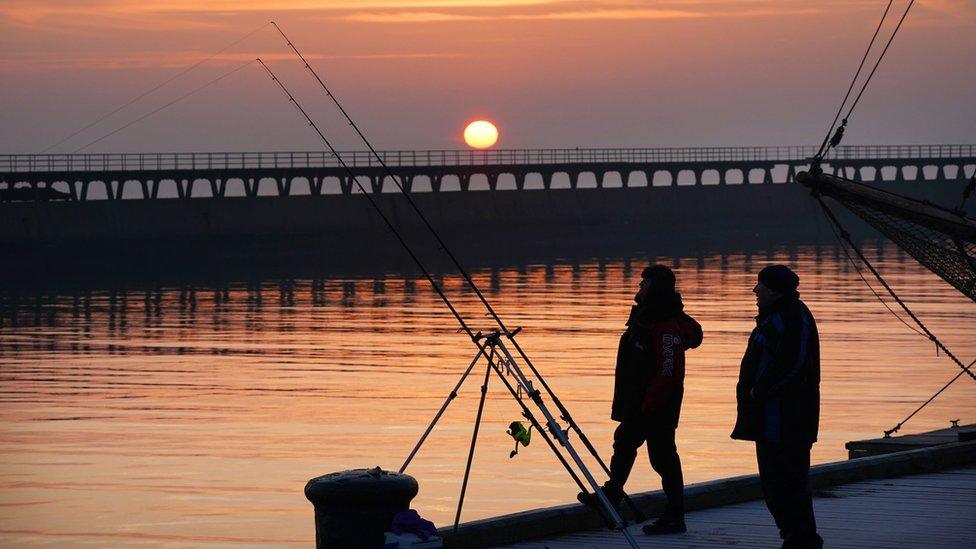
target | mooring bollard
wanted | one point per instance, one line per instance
(354, 508)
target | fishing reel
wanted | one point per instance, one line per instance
(521, 435)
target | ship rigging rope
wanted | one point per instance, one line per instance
(844, 239)
(833, 142)
(926, 403)
(928, 333)
(857, 73)
(162, 107)
(156, 87)
(860, 273)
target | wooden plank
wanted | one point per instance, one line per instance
(913, 511)
(879, 446)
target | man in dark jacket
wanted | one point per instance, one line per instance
(648, 388)
(778, 398)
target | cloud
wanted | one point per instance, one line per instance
(571, 15)
(178, 60)
(434, 17)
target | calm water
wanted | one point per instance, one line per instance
(194, 416)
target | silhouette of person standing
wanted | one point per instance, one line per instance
(778, 399)
(648, 388)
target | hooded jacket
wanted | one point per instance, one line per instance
(778, 393)
(650, 370)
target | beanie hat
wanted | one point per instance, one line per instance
(661, 278)
(779, 278)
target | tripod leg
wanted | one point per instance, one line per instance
(437, 417)
(536, 397)
(474, 439)
(564, 413)
(545, 436)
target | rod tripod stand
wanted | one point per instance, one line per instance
(504, 365)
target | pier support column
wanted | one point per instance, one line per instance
(435, 183)
(406, 181)
(464, 181)
(492, 181)
(315, 184)
(284, 186)
(547, 179)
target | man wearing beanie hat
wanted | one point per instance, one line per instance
(778, 397)
(648, 388)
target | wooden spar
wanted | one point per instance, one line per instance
(846, 191)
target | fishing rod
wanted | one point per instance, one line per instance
(481, 341)
(509, 334)
(153, 89)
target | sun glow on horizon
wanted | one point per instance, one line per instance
(480, 134)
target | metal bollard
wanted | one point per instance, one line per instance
(354, 508)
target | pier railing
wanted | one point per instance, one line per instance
(25, 163)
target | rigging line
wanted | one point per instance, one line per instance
(396, 181)
(383, 216)
(467, 277)
(883, 52)
(833, 219)
(167, 105)
(895, 429)
(840, 109)
(157, 86)
(860, 273)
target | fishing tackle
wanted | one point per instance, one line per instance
(521, 435)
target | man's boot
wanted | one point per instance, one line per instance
(670, 522)
(613, 492)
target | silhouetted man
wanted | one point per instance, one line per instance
(648, 388)
(778, 397)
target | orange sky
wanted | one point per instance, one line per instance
(549, 73)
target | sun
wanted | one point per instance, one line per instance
(480, 134)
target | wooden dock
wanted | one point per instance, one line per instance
(932, 510)
(925, 497)
(887, 445)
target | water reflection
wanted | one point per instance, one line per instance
(192, 414)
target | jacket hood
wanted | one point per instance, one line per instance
(655, 308)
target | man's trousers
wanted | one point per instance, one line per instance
(628, 437)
